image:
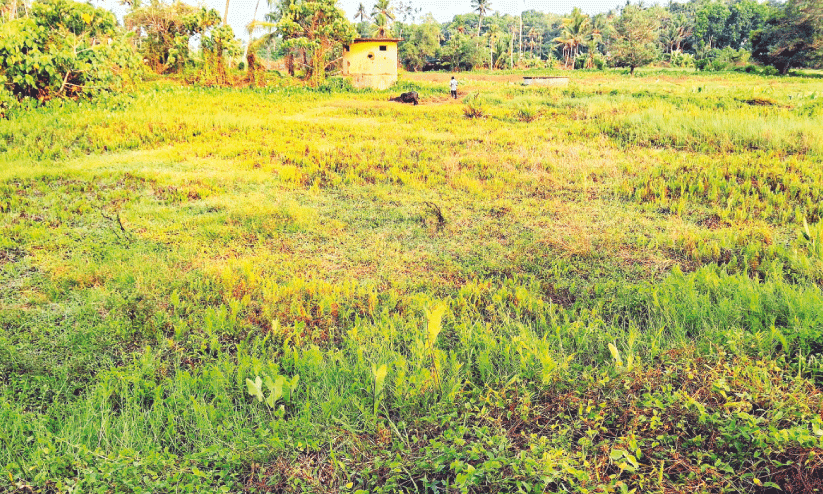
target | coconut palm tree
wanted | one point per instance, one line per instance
(383, 9)
(532, 35)
(567, 47)
(532, 45)
(254, 45)
(598, 26)
(577, 31)
(380, 28)
(482, 7)
(676, 30)
(362, 14)
(251, 27)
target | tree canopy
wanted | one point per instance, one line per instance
(165, 31)
(792, 37)
(422, 42)
(316, 28)
(635, 38)
(65, 49)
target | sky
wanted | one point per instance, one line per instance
(241, 12)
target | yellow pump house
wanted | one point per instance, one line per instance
(371, 62)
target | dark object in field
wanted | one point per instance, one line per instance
(410, 97)
(435, 211)
(760, 101)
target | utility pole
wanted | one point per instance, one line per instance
(226, 14)
(511, 50)
(522, 6)
(491, 53)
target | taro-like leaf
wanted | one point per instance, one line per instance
(255, 387)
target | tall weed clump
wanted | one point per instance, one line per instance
(526, 113)
(474, 106)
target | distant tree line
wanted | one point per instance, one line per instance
(707, 34)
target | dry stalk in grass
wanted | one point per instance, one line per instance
(435, 210)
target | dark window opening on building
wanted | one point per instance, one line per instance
(382, 47)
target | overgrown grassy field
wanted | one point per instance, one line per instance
(609, 287)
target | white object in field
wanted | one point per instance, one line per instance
(545, 81)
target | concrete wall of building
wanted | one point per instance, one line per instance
(371, 63)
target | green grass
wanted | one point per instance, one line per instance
(629, 294)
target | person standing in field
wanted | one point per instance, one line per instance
(453, 87)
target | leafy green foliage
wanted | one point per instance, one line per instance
(317, 28)
(379, 375)
(279, 388)
(636, 34)
(219, 45)
(747, 16)
(165, 30)
(710, 23)
(462, 52)
(792, 37)
(65, 49)
(420, 43)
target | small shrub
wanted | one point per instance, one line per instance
(337, 85)
(769, 71)
(7, 101)
(680, 59)
(572, 91)
(526, 113)
(718, 65)
(474, 107)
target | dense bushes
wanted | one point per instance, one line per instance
(64, 49)
(792, 37)
(166, 30)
